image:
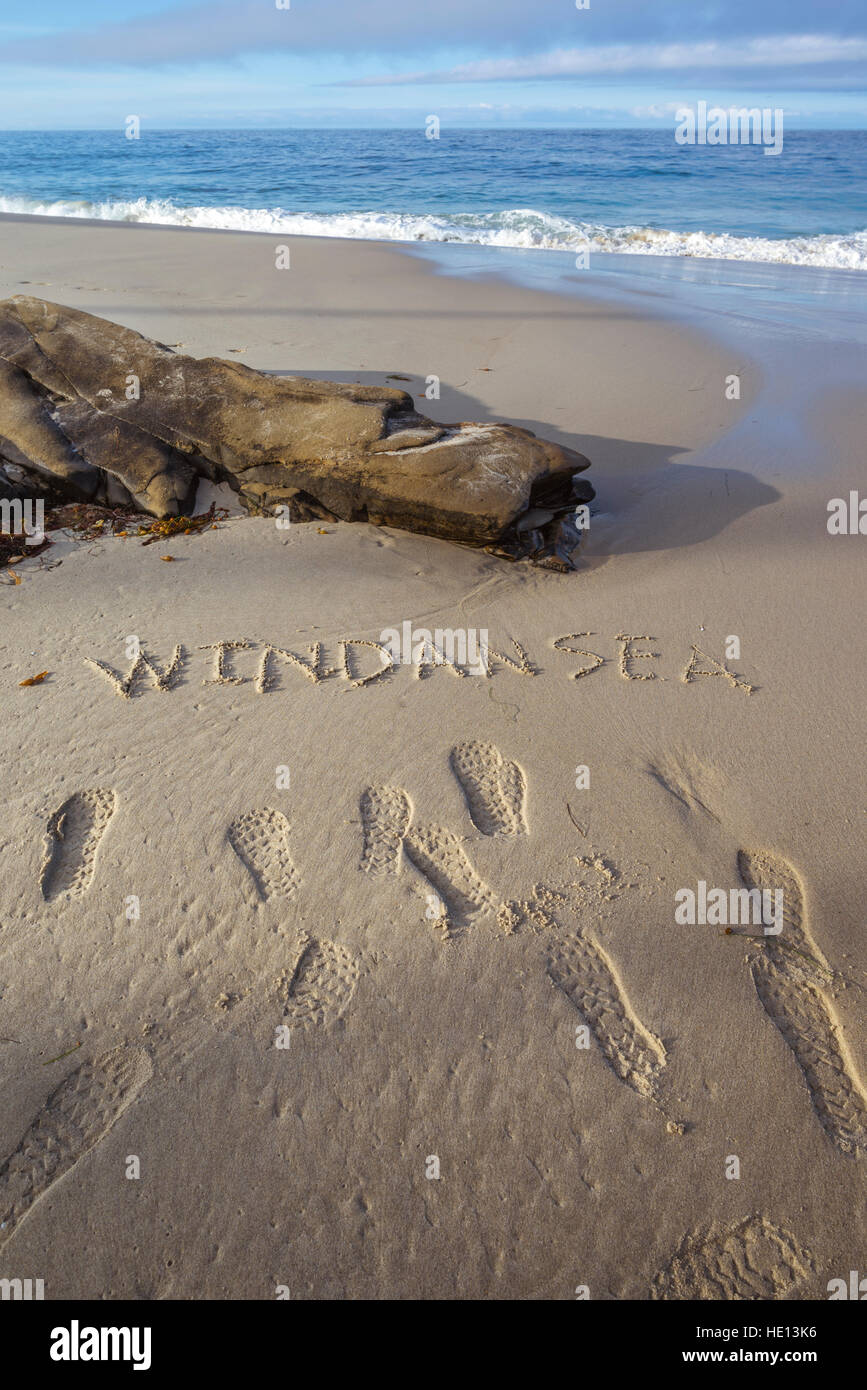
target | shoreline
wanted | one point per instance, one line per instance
(779, 295)
(623, 259)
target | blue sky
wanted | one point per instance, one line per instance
(392, 62)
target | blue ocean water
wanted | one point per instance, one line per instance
(633, 191)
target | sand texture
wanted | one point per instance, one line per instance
(375, 967)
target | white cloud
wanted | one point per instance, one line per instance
(795, 50)
(656, 111)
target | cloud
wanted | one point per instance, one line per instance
(657, 111)
(632, 60)
(225, 29)
(228, 28)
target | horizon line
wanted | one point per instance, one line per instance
(267, 129)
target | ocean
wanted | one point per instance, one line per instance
(628, 191)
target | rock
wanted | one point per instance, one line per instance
(99, 413)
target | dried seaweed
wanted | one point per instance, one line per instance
(91, 521)
(15, 548)
(183, 525)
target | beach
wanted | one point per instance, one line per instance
(687, 703)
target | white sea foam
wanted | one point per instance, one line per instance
(522, 228)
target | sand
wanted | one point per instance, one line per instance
(236, 917)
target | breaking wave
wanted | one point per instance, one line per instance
(521, 228)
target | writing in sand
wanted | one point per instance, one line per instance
(363, 662)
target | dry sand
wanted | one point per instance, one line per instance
(310, 1166)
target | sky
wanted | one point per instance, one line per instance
(237, 63)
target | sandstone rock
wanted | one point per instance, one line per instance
(101, 414)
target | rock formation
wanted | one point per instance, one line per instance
(94, 412)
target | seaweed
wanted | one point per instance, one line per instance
(167, 527)
(92, 522)
(14, 548)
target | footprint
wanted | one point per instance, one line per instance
(385, 813)
(435, 852)
(583, 971)
(494, 789)
(76, 1116)
(438, 854)
(74, 832)
(804, 1019)
(794, 945)
(751, 1259)
(787, 976)
(321, 984)
(261, 841)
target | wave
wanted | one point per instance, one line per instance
(520, 228)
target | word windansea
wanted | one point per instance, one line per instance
(363, 662)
